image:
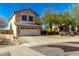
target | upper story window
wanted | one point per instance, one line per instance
(30, 18)
(24, 17)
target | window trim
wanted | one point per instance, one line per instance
(32, 19)
(25, 17)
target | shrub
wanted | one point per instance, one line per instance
(4, 41)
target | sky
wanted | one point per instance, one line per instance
(6, 9)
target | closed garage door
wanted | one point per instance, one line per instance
(29, 32)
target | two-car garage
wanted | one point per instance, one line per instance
(29, 32)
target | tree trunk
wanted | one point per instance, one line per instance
(50, 29)
(76, 28)
(70, 30)
(50, 25)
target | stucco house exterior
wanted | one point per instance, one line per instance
(23, 22)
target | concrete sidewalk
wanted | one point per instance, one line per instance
(18, 51)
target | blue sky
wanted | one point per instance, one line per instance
(6, 9)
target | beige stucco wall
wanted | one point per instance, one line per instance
(12, 22)
(18, 17)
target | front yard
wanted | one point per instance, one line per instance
(53, 45)
(42, 40)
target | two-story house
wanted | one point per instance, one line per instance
(22, 23)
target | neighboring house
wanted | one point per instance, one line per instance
(23, 22)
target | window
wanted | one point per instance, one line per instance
(30, 18)
(24, 17)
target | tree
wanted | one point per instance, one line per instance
(70, 17)
(38, 21)
(2, 22)
(74, 12)
(46, 27)
(49, 18)
(60, 19)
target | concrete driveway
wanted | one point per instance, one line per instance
(43, 40)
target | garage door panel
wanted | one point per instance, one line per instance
(29, 32)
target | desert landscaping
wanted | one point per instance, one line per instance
(53, 45)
